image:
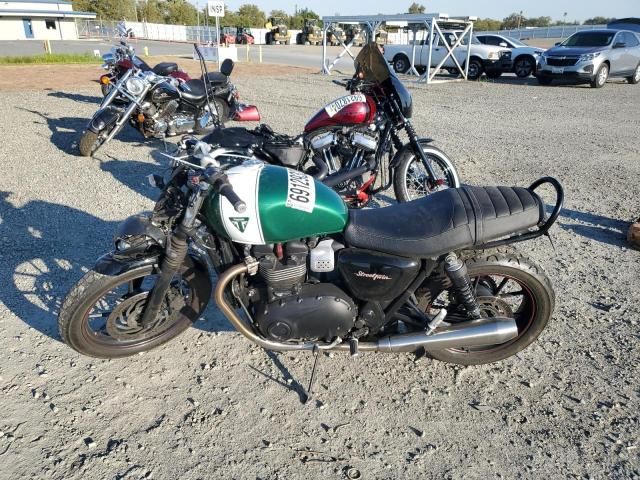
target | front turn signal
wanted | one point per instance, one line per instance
(105, 80)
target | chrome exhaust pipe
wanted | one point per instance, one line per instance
(479, 333)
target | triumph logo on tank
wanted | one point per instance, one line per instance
(240, 222)
(337, 105)
(373, 276)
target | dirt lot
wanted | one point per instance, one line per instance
(210, 405)
(41, 77)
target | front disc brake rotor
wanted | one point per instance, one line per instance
(124, 321)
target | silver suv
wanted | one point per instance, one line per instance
(592, 57)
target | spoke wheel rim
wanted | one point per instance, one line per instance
(125, 333)
(416, 183)
(490, 305)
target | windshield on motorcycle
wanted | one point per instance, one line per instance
(371, 66)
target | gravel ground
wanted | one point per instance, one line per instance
(210, 405)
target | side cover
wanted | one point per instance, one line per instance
(282, 205)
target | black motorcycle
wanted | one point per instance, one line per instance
(296, 271)
(163, 106)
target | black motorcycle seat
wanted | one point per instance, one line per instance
(165, 68)
(445, 221)
(193, 91)
(216, 78)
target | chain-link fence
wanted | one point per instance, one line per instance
(150, 31)
(545, 32)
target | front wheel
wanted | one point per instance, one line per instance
(601, 76)
(506, 284)
(524, 66)
(90, 142)
(475, 69)
(100, 315)
(412, 180)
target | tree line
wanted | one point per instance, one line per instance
(182, 12)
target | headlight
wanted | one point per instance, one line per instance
(493, 55)
(589, 56)
(134, 85)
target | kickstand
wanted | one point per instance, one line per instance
(312, 380)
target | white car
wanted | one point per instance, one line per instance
(525, 57)
(483, 58)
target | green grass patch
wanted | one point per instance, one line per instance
(54, 58)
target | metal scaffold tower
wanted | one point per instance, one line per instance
(433, 23)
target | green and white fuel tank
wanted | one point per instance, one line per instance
(282, 205)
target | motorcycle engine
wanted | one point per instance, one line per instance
(293, 309)
(348, 147)
(163, 120)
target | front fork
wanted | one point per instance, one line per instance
(413, 140)
(175, 254)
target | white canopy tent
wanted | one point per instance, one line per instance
(433, 23)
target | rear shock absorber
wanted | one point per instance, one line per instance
(456, 270)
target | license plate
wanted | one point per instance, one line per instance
(557, 70)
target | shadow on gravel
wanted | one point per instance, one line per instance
(66, 131)
(77, 97)
(133, 174)
(47, 247)
(597, 227)
(287, 380)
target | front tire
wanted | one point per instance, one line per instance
(524, 66)
(532, 315)
(410, 179)
(118, 336)
(601, 76)
(89, 143)
(475, 69)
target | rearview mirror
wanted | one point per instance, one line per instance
(557, 44)
(503, 44)
(227, 67)
(620, 45)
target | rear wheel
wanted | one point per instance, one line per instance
(411, 179)
(401, 64)
(635, 78)
(601, 76)
(100, 316)
(507, 284)
(90, 142)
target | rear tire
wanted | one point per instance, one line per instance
(89, 143)
(635, 78)
(409, 177)
(401, 64)
(532, 319)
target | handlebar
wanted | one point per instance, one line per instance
(220, 183)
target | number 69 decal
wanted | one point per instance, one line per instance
(301, 191)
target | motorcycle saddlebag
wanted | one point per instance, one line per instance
(287, 152)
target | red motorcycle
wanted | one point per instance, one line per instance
(353, 144)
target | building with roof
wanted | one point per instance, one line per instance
(39, 20)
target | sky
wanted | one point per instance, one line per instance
(498, 9)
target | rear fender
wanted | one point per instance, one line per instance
(104, 119)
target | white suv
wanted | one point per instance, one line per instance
(524, 57)
(493, 61)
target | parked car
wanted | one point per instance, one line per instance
(592, 57)
(493, 61)
(524, 57)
